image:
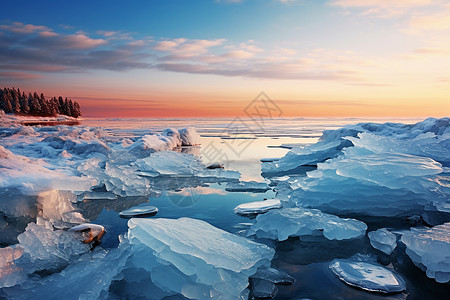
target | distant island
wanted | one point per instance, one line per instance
(17, 102)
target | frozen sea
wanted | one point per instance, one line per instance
(240, 145)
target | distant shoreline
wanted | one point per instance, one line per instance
(49, 123)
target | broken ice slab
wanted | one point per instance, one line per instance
(367, 276)
(247, 186)
(383, 240)
(195, 259)
(262, 289)
(257, 207)
(139, 211)
(280, 224)
(90, 232)
(429, 249)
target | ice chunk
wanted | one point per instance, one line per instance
(88, 277)
(40, 248)
(306, 156)
(257, 207)
(169, 139)
(367, 276)
(195, 259)
(263, 289)
(429, 249)
(189, 137)
(139, 211)
(383, 240)
(10, 273)
(283, 223)
(247, 186)
(387, 184)
(273, 275)
(56, 207)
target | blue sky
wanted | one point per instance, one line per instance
(344, 51)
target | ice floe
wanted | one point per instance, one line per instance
(280, 224)
(257, 207)
(383, 240)
(429, 249)
(195, 259)
(367, 276)
(139, 211)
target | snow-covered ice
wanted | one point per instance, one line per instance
(383, 240)
(367, 275)
(195, 259)
(429, 249)
(257, 207)
(280, 224)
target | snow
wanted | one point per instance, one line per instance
(195, 259)
(367, 276)
(383, 240)
(247, 186)
(257, 207)
(280, 224)
(139, 211)
(189, 137)
(429, 249)
(32, 176)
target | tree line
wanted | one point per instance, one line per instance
(17, 102)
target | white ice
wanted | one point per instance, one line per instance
(367, 276)
(280, 224)
(141, 210)
(383, 240)
(257, 207)
(429, 249)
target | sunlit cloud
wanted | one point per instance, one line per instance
(381, 8)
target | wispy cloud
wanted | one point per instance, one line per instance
(382, 8)
(39, 49)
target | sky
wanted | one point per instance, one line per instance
(211, 58)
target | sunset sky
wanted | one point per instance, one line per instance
(210, 58)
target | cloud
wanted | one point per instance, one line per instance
(18, 27)
(434, 21)
(18, 76)
(382, 8)
(292, 70)
(184, 48)
(42, 50)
